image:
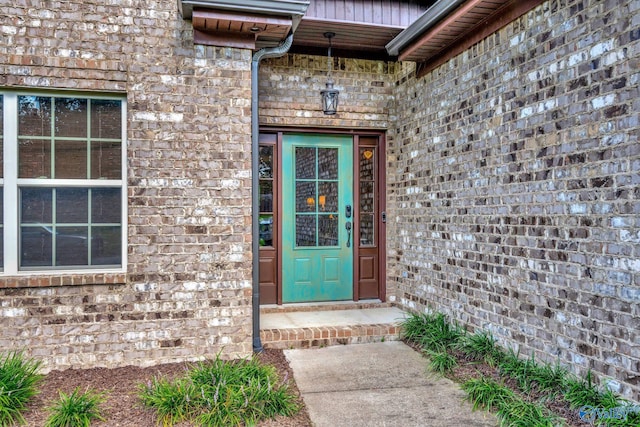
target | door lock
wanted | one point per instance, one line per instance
(347, 212)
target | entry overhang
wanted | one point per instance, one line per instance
(449, 27)
(247, 24)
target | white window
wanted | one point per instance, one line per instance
(62, 182)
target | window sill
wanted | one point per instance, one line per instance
(64, 279)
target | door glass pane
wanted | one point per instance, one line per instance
(305, 163)
(305, 230)
(328, 196)
(306, 196)
(328, 163)
(328, 230)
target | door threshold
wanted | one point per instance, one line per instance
(323, 306)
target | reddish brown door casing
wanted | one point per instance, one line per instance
(369, 228)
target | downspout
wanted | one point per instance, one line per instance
(268, 52)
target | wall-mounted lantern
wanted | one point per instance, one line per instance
(329, 95)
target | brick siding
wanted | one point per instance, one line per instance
(187, 294)
(514, 188)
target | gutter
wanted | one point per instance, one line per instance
(294, 9)
(427, 20)
(268, 52)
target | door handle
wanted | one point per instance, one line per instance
(348, 227)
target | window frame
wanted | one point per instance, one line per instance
(11, 184)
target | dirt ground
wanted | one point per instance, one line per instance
(122, 408)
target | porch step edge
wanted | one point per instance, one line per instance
(310, 337)
(329, 306)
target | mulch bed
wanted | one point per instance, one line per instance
(122, 407)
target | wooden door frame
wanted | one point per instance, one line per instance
(381, 208)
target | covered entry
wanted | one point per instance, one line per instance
(321, 217)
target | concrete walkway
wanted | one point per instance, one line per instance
(378, 384)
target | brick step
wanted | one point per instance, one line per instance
(320, 328)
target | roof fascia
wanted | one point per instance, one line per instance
(266, 7)
(427, 20)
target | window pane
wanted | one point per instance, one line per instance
(106, 118)
(327, 230)
(72, 205)
(71, 117)
(266, 162)
(34, 116)
(305, 163)
(328, 163)
(71, 159)
(106, 160)
(305, 230)
(1, 138)
(367, 160)
(305, 196)
(36, 206)
(35, 246)
(266, 230)
(106, 245)
(266, 196)
(34, 158)
(366, 230)
(71, 246)
(366, 197)
(106, 205)
(1, 226)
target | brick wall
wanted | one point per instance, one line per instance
(514, 188)
(290, 86)
(187, 293)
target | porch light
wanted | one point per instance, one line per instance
(329, 95)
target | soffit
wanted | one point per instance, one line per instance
(363, 28)
(471, 21)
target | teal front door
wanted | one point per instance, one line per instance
(317, 217)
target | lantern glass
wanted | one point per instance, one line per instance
(329, 99)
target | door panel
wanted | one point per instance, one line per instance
(317, 246)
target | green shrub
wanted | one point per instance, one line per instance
(19, 379)
(432, 332)
(221, 393)
(77, 409)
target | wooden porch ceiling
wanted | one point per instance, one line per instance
(363, 28)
